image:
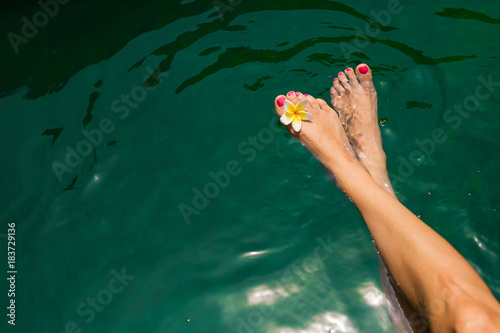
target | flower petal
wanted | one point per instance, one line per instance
(301, 106)
(305, 115)
(296, 124)
(289, 106)
(287, 118)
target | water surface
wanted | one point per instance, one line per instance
(172, 93)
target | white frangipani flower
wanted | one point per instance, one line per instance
(294, 114)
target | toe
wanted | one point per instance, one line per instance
(293, 97)
(343, 80)
(278, 104)
(324, 106)
(312, 101)
(364, 74)
(353, 80)
(333, 92)
(338, 86)
(337, 103)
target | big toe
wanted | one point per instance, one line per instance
(364, 74)
(279, 103)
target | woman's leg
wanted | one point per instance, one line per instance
(356, 103)
(428, 270)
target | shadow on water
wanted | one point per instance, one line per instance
(80, 34)
(462, 13)
(233, 57)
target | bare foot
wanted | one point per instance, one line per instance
(355, 99)
(324, 135)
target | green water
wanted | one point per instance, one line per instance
(276, 248)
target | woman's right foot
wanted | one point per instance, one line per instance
(355, 99)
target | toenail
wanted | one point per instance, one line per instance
(306, 95)
(297, 93)
(335, 79)
(363, 69)
(340, 73)
(348, 69)
(290, 93)
(281, 101)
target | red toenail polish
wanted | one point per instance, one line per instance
(281, 101)
(297, 93)
(335, 79)
(290, 93)
(363, 69)
(306, 95)
(348, 69)
(340, 73)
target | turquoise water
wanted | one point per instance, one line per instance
(172, 95)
